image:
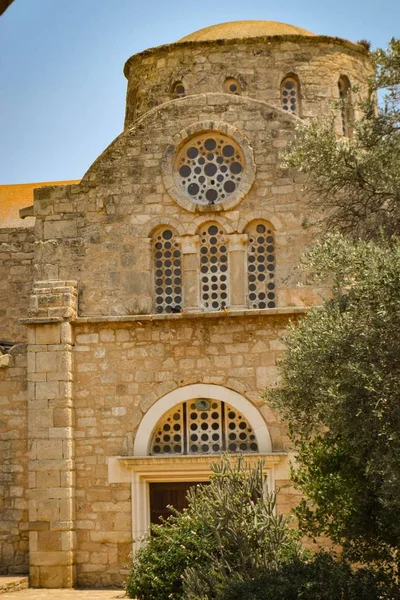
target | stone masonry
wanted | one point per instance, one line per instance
(96, 360)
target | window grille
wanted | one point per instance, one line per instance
(290, 95)
(203, 426)
(214, 293)
(261, 265)
(167, 272)
(210, 168)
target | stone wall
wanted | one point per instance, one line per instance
(98, 232)
(121, 370)
(16, 275)
(14, 463)
(258, 64)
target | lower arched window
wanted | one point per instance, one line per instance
(261, 265)
(203, 426)
(167, 272)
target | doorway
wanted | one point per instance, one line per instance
(163, 495)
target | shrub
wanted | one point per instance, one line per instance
(230, 530)
(321, 578)
(158, 566)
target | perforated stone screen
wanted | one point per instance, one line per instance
(203, 426)
(213, 267)
(167, 272)
(261, 266)
(290, 95)
(210, 168)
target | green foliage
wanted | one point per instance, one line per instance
(246, 533)
(158, 567)
(229, 531)
(354, 183)
(340, 393)
(321, 578)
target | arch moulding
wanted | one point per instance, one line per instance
(200, 390)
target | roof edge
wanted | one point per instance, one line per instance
(305, 39)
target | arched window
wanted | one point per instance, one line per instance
(167, 271)
(345, 104)
(232, 86)
(261, 265)
(214, 284)
(203, 426)
(290, 94)
(139, 104)
(178, 90)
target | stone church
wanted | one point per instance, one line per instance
(142, 308)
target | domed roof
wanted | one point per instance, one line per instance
(243, 29)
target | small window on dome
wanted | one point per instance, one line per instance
(345, 105)
(140, 100)
(290, 95)
(178, 90)
(232, 86)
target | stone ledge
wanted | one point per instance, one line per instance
(243, 312)
(267, 312)
(13, 583)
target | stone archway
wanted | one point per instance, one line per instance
(143, 469)
(201, 390)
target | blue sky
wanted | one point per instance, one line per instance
(62, 90)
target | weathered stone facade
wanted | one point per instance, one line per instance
(122, 327)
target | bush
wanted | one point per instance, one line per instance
(158, 567)
(321, 578)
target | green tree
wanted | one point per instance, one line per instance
(340, 393)
(353, 183)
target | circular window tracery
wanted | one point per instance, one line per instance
(210, 168)
(203, 426)
(208, 177)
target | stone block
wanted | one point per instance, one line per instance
(48, 334)
(48, 390)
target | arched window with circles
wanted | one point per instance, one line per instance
(203, 426)
(290, 94)
(261, 265)
(214, 276)
(344, 88)
(167, 271)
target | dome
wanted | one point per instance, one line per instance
(243, 29)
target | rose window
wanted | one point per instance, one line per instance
(203, 426)
(210, 168)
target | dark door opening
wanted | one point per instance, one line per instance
(163, 495)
